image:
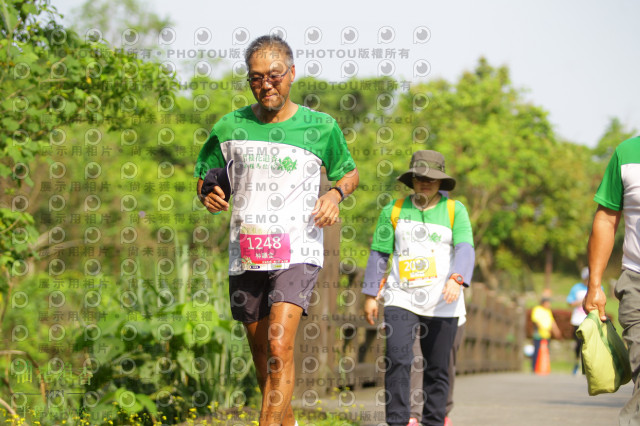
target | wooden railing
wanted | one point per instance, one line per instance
(494, 333)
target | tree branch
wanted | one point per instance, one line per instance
(8, 407)
(10, 226)
(58, 247)
(37, 367)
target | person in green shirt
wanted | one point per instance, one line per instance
(269, 155)
(429, 239)
(618, 196)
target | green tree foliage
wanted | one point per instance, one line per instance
(101, 133)
(613, 135)
(525, 191)
(50, 77)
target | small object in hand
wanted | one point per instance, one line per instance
(217, 177)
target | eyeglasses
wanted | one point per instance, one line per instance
(424, 179)
(272, 79)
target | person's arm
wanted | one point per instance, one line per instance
(572, 299)
(373, 275)
(382, 245)
(463, 261)
(326, 210)
(605, 224)
(210, 157)
(575, 304)
(464, 254)
(555, 330)
(214, 201)
(464, 258)
(534, 319)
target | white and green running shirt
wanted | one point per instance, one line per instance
(274, 170)
(423, 252)
(620, 190)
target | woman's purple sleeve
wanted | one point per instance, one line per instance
(463, 261)
(376, 267)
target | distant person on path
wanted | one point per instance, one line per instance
(574, 299)
(618, 194)
(430, 241)
(544, 326)
(269, 155)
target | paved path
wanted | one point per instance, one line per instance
(502, 399)
(529, 400)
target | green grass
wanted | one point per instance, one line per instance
(562, 366)
(249, 416)
(320, 418)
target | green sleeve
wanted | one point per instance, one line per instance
(610, 192)
(210, 156)
(337, 158)
(461, 225)
(384, 235)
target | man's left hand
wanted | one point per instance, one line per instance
(326, 210)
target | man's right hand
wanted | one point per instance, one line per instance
(595, 300)
(214, 201)
(371, 309)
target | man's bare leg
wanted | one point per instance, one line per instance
(272, 341)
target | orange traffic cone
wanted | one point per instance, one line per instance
(543, 363)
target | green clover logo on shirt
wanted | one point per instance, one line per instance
(287, 164)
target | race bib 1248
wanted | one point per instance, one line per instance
(264, 249)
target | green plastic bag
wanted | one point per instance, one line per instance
(605, 359)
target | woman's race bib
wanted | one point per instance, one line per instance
(417, 271)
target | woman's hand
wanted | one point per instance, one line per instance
(451, 291)
(371, 309)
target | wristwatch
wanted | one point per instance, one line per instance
(339, 192)
(457, 278)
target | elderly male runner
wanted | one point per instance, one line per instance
(618, 194)
(271, 153)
